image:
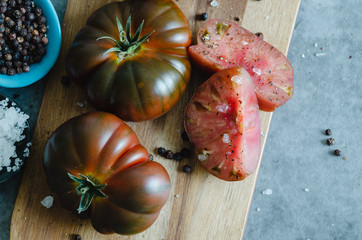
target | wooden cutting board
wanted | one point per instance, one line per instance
(200, 206)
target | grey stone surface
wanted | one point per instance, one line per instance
(316, 195)
(328, 93)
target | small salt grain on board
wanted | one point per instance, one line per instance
(207, 208)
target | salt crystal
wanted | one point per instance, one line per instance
(80, 104)
(257, 71)
(214, 3)
(222, 108)
(237, 79)
(267, 192)
(303, 56)
(226, 138)
(262, 133)
(202, 157)
(244, 43)
(315, 44)
(267, 17)
(12, 125)
(177, 195)
(258, 209)
(306, 189)
(47, 201)
(320, 54)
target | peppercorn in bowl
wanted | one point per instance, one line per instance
(30, 40)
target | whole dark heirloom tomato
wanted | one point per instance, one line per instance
(95, 163)
(131, 57)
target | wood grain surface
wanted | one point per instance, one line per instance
(200, 206)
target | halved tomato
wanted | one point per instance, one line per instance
(223, 125)
(223, 44)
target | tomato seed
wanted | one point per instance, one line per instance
(337, 152)
(187, 169)
(330, 141)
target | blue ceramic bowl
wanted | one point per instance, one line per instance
(39, 70)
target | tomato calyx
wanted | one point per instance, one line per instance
(127, 44)
(88, 188)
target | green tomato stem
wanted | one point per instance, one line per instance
(127, 44)
(88, 190)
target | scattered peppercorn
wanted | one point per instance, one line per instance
(65, 81)
(177, 156)
(22, 35)
(168, 154)
(260, 35)
(204, 16)
(237, 18)
(328, 132)
(350, 57)
(161, 151)
(77, 237)
(185, 153)
(337, 152)
(330, 141)
(185, 137)
(187, 169)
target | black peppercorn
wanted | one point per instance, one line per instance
(3, 70)
(204, 16)
(185, 153)
(177, 156)
(187, 169)
(77, 237)
(260, 35)
(168, 154)
(161, 151)
(22, 35)
(11, 71)
(26, 68)
(185, 137)
(66, 81)
(328, 132)
(330, 141)
(337, 152)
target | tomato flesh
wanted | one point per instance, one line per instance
(223, 125)
(223, 44)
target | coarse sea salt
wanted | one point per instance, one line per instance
(267, 192)
(214, 3)
(12, 124)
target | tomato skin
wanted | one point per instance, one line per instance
(143, 86)
(223, 125)
(232, 46)
(103, 147)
